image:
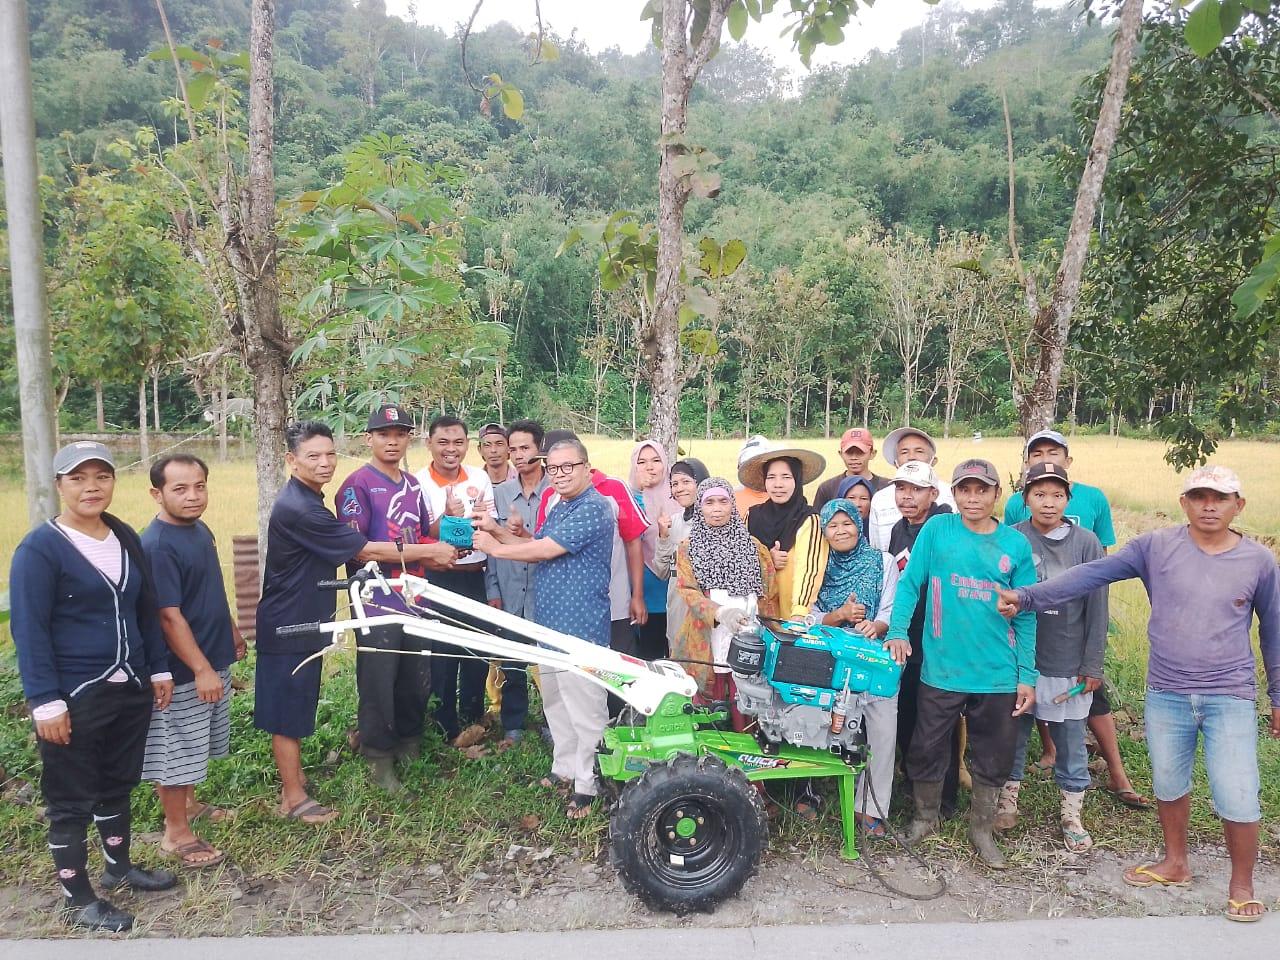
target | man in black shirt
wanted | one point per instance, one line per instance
(305, 544)
(916, 494)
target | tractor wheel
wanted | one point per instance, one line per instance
(687, 833)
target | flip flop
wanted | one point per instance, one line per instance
(872, 827)
(186, 851)
(309, 812)
(1130, 798)
(1238, 905)
(1151, 879)
(579, 806)
(211, 813)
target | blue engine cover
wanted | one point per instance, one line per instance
(811, 664)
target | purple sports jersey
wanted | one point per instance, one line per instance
(381, 509)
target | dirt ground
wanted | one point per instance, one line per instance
(539, 890)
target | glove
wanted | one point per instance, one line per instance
(732, 617)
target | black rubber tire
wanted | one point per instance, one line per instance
(729, 833)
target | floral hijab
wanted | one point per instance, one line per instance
(723, 558)
(858, 572)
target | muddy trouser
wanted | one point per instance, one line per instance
(394, 690)
(577, 712)
(458, 681)
(993, 731)
(880, 721)
(907, 696)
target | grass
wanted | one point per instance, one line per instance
(463, 815)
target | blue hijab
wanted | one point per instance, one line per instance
(858, 572)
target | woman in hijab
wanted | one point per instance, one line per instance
(857, 594)
(652, 493)
(685, 476)
(860, 492)
(788, 527)
(723, 573)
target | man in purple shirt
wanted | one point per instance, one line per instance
(1205, 582)
(386, 503)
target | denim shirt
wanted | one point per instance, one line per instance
(511, 581)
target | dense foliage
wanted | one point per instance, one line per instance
(843, 184)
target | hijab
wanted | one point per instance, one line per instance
(656, 500)
(723, 558)
(771, 522)
(858, 572)
(848, 483)
(696, 470)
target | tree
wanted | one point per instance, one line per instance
(915, 283)
(793, 313)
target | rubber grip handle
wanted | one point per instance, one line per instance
(298, 629)
(332, 584)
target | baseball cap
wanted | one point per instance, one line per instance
(858, 437)
(551, 438)
(74, 454)
(891, 442)
(976, 469)
(492, 428)
(1046, 471)
(1211, 477)
(917, 474)
(389, 415)
(1053, 436)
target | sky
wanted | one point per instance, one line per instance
(608, 23)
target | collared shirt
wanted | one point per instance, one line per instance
(471, 487)
(571, 591)
(511, 581)
(305, 544)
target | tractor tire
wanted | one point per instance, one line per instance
(688, 833)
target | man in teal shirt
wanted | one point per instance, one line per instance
(976, 663)
(1088, 509)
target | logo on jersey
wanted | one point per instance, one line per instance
(1005, 563)
(350, 506)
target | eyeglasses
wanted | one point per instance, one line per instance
(564, 469)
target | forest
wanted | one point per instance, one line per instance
(850, 245)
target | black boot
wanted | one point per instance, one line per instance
(98, 915)
(115, 829)
(927, 795)
(982, 814)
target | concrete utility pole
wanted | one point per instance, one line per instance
(26, 260)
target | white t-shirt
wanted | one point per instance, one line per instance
(471, 487)
(885, 513)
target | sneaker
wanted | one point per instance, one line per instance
(98, 915)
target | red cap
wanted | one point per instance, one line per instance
(857, 437)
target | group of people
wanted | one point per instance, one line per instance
(125, 643)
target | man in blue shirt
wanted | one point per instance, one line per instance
(572, 550)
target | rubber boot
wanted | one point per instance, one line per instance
(1007, 809)
(1074, 836)
(927, 795)
(382, 771)
(982, 814)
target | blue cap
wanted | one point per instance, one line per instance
(1053, 436)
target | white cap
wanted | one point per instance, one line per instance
(1210, 477)
(751, 446)
(917, 474)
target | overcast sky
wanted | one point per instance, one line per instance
(609, 23)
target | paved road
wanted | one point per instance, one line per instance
(1173, 938)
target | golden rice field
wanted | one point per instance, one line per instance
(1131, 472)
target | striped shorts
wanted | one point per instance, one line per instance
(185, 737)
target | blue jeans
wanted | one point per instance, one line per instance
(1229, 724)
(1071, 772)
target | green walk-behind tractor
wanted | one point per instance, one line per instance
(688, 825)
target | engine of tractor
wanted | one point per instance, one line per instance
(806, 685)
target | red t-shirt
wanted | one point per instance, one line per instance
(632, 522)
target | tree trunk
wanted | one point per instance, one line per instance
(101, 416)
(1052, 324)
(268, 349)
(949, 411)
(908, 388)
(222, 418)
(709, 394)
(155, 398)
(791, 397)
(144, 441)
(826, 406)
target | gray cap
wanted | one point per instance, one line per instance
(74, 454)
(1053, 436)
(975, 469)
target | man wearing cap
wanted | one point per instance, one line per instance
(495, 453)
(1088, 509)
(915, 488)
(904, 445)
(385, 503)
(1206, 583)
(975, 662)
(857, 449)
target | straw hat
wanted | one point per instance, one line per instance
(751, 463)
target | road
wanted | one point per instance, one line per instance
(1169, 938)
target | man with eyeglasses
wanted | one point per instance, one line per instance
(571, 552)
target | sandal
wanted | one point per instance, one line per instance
(309, 812)
(872, 827)
(579, 807)
(1130, 798)
(1235, 906)
(188, 852)
(1144, 876)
